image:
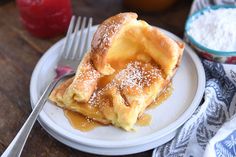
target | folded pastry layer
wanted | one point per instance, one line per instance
(123, 36)
(129, 65)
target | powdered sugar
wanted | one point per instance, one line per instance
(107, 31)
(216, 29)
(87, 80)
(136, 76)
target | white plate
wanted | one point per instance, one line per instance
(188, 83)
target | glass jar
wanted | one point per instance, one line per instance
(45, 18)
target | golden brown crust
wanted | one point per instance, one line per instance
(85, 81)
(58, 92)
(167, 53)
(104, 37)
(58, 96)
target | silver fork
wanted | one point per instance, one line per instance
(71, 54)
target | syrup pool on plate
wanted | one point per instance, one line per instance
(144, 120)
(80, 122)
(161, 98)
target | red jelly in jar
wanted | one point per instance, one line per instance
(45, 18)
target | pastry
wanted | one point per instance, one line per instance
(130, 63)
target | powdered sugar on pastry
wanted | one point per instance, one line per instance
(137, 75)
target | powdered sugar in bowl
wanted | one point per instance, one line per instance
(212, 33)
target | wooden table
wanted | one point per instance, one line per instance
(19, 52)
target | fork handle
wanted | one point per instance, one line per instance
(16, 146)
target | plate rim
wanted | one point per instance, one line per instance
(104, 151)
(43, 118)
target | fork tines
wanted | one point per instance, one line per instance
(76, 44)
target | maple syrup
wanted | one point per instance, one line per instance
(144, 120)
(80, 122)
(161, 98)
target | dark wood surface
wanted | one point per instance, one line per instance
(19, 52)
